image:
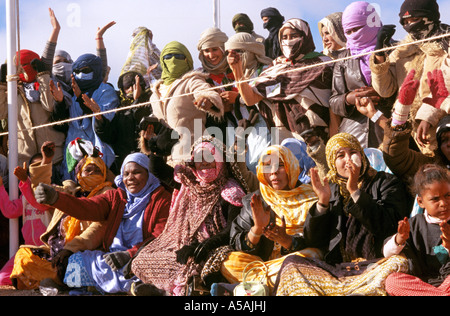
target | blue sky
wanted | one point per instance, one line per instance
(169, 20)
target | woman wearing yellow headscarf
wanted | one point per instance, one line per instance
(270, 218)
(65, 234)
(357, 209)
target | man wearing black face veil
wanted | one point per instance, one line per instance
(273, 22)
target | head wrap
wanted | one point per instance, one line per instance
(64, 54)
(362, 14)
(137, 202)
(305, 45)
(420, 8)
(333, 23)
(92, 183)
(293, 204)
(128, 80)
(298, 148)
(174, 68)
(89, 85)
(276, 20)
(212, 154)
(242, 18)
(253, 55)
(213, 37)
(345, 140)
(26, 56)
(143, 53)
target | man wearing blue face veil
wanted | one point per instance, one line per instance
(91, 95)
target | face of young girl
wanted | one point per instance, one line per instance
(435, 198)
(343, 158)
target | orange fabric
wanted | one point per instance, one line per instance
(30, 270)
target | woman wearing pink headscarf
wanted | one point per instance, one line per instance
(202, 210)
(352, 77)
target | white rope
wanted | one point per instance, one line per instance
(232, 84)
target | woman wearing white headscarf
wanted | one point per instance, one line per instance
(254, 61)
(332, 33)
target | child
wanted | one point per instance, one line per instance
(35, 217)
(424, 239)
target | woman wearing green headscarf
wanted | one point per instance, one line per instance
(183, 98)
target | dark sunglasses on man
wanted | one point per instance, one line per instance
(85, 70)
(177, 56)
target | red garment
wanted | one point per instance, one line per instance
(110, 206)
(26, 56)
(402, 284)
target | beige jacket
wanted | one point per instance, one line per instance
(34, 114)
(388, 77)
(175, 105)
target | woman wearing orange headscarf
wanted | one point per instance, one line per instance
(65, 235)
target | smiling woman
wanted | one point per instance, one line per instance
(363, 207)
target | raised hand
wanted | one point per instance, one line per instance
(261, 215)
(102, 30)
(21, 173)
(48, 151)
(75, 88)
(56, 91)
(92, 105)
(408, 90)
(322, 190)
(439, 91)
(402, 232)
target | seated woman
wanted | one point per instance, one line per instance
(64, 235)
(133, 214)
(270, 217)
(299, 96)
(209, 198)
(353, 216)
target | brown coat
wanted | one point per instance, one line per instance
(34, 114)
(176, 107)
(388, 77)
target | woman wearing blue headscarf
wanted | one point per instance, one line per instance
(135, 213)
(90, 95)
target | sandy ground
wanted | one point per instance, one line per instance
(11, 291)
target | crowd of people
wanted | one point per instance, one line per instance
(315, 172)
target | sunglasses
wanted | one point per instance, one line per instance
(85, 70)
(177, 56)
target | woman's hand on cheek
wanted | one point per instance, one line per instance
(352, 183)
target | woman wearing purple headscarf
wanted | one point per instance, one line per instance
(352, 77)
